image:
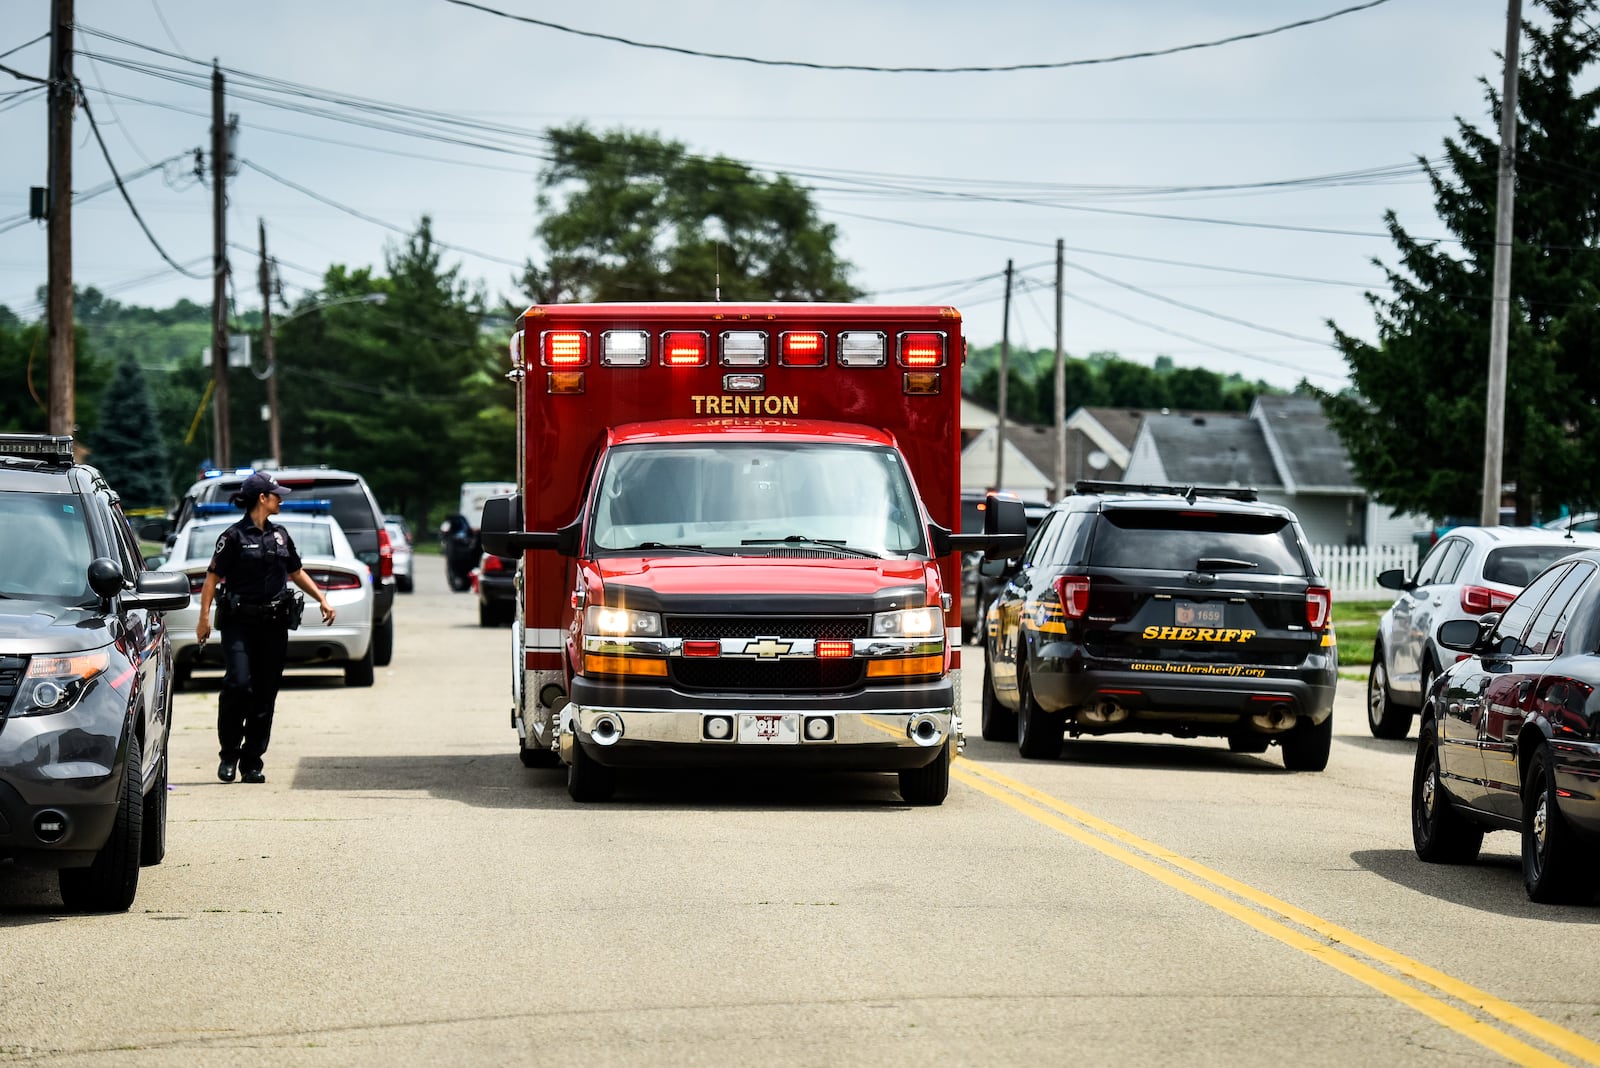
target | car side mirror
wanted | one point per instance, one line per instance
(1005, 531)
(1394, 579)
(1468, 635)
(159, 591)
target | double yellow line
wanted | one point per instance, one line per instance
(1335, 946)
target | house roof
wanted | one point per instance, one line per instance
(1211, 449)
(1309, 455)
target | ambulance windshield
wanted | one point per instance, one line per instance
(758, 498)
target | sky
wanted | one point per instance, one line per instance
(934, 180)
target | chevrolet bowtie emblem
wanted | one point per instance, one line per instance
(767, 648)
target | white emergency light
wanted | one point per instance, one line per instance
(863, 348)
(624, 348)
(744, 348)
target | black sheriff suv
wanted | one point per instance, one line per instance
(85, 678)
(1181, 610)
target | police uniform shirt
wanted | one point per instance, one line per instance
(255, 562)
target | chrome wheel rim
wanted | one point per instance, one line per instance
(1375, 685)
(1430, 792)
(1541, 827)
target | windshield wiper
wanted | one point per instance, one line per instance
(823, 543)
(1223, 563)
(671, 545)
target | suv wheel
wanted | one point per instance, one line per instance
(111, 881)
(1038, 732)
(1385, 719)
(1439, 833)
(1306, 745)
(153, 822)
(383, 642)
(999, 722)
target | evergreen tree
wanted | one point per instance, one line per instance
(1413, 419)
(127, 446)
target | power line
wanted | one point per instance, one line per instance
(123, 189)
(1007, 68)
(24, 44)
(1194, 307)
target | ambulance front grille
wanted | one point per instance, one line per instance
(775, 676)
(819, 628)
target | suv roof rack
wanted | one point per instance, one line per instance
(1189, 493)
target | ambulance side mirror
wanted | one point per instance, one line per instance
(502, 535)
(1005, 531)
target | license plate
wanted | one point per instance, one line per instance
(778, 728)
(1190, 614)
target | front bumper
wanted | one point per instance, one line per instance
(648, 725)
(60, 776)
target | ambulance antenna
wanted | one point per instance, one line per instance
(717, 283)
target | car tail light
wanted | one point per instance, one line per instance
(1073, 590)
(566, 348)
(683, 348)
(197, 581)
(1476, 600)
(1319, 602)
(385, 555)
(335, 580)
(492, 563)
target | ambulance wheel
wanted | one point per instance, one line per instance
(587, 778)
(928, 785)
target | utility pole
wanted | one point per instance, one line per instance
(1005, 358)
(1061, 378)
(219, 279)
(266, 343)
(1500, 319)
(58, 300)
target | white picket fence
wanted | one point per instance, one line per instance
(1352, 571)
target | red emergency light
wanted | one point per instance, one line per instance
(565, 348)
(921, 349)
(803, 348)
(684, 348)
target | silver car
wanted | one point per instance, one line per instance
(325, 554)
(1470, 571)
(400, 545)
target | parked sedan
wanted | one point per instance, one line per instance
(1472, 570)
(495, 583)
(327, 557)
(1510, 736)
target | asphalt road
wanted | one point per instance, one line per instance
(403, 891)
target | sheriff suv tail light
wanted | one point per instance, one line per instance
(1319, 602)
(1073, 591)
(385, 555)
(921, 349)
(564, 348)
(803, 348)
(683, 348)
(1476, 600)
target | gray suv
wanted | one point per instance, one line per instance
(352, 504)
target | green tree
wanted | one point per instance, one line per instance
(1413, 419)
(127, 446)
(628, 216)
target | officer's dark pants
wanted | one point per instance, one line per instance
(252, 654)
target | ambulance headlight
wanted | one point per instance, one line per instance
(908, 623)
(621, 622)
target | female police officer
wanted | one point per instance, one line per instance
(255, 561)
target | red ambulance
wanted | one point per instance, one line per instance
(736, 529)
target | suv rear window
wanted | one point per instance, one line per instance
(1167, 539)
(1517, 565)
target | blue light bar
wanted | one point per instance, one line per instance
(213, 507)
(315, 505)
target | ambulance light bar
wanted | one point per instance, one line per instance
(684, 348)
(863, 348)
(744, 348)
(624, 348)
(803, 348)
(921, 349)
(564, 348)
